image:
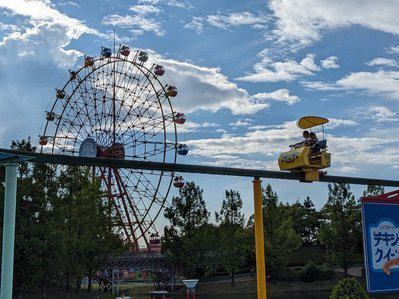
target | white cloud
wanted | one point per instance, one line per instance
(153, 2)
(241, 123)
(193, 127)
(385, 83)
(225, 22)
(394, 49)
(39, 12)
(282, 95)
(268, 70)
(45, 35)
(382, 114)
(207, 88)
(330, 62)
(139, 23)
(304, 21)
(380, 61)
(145, 9)
(381, 82)
(179, 4)
(43, 42)
(221, 131)
(196, 24)
(318, 85)
(8, 27)
(336, 123)
(236, 19)
(68, 3)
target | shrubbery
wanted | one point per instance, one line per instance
(309, 273)
(312, 272)
(348, 288)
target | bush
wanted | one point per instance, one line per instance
(310, 272)
(287, 274)
(348, 288)
(326, 273)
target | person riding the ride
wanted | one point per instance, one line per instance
(306, 138)
(313, 142)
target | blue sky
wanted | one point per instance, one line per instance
(246, 70)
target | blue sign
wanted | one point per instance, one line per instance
(380, 216)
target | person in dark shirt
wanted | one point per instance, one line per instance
(313, 142)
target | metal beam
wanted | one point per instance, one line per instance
(189, 168)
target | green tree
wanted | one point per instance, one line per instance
(341, 231)
(230, 212)
(281, 238)
(306, 220)
(232, 249)
(373, 190)
(348, 288)
(90, 239)
(184, 241)
(188, 210)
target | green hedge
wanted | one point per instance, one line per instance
(348, 288)
(309, 273)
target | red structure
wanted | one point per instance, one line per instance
(123, 111)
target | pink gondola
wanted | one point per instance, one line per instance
(178, 182)
(125, 51)
(43, 140)
(159, 70)
(180, 118)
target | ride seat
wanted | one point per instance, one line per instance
(323, 144)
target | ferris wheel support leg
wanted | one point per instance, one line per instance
(259, 240)
(7, 265)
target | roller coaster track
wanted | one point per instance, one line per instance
(12, 155)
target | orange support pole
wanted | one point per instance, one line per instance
(259, 240)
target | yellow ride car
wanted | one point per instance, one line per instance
(305, 157)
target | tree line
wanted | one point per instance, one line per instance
(196, 247)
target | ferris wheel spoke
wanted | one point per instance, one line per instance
(73, 112)
(139, 220)
(120, 194)
(152, 197)
(143, 125)
(85, 100)
(125, 219)
(145, 183)
(155, 133)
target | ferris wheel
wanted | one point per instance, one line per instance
(116, 107)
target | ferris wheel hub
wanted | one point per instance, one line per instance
(115, 151)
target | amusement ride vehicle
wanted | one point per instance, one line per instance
(307, 157)
(116, 107)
